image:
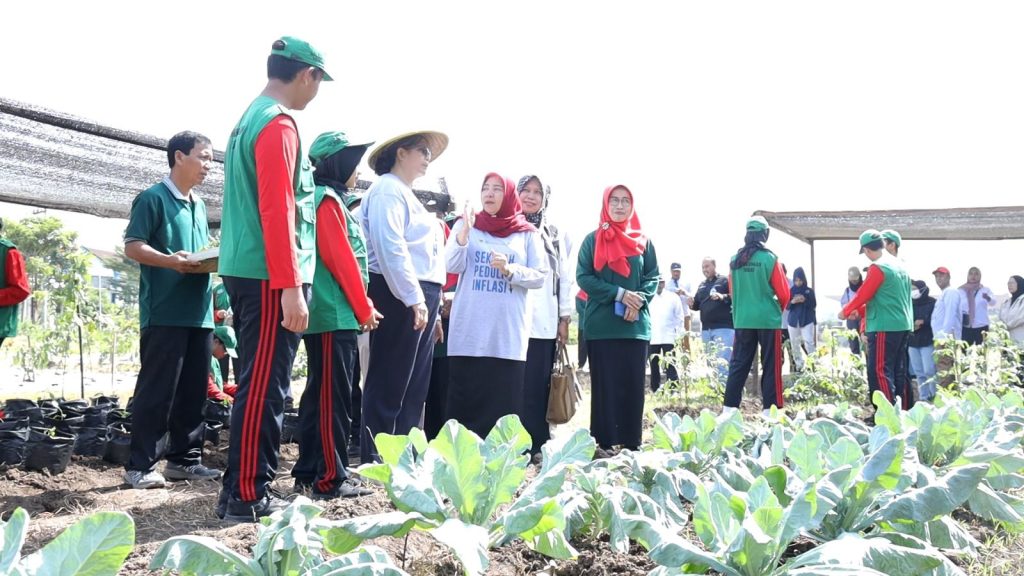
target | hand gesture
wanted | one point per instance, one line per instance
(419, 316)
(500, 261)
(373, 322)
(631, 314)
(294, 310)
(468, 219)
(563, 332)
(633, 300)
(438, 332)
(180, 263)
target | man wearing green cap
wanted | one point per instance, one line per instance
(760, 291)
(267, 258)
(884, 302)
(338, 310)
(224, 345)
(892, 240)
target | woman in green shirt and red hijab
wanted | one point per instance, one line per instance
(618, 269)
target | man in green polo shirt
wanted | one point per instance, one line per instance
(884, 302)
(167, 223)
(267, 258)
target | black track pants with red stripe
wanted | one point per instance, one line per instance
(887, 367)
(325, 411)
(265, 354)
(744, 350)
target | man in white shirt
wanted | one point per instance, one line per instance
(667, 321)
(947, 323)
(676, 285)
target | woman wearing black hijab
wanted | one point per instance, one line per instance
(922, 340)
(1012, 314)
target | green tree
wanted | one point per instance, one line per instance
(126, 277)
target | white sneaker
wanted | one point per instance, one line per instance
(727, 411)
(766, 413)
(141, 480)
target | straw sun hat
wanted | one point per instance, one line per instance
(436, 142)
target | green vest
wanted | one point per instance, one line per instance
(329, 309)
(242, 247)
(8, 314)
(891, 309)
(754, 303)
(218, 379)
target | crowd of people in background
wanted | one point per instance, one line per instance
(410, 318)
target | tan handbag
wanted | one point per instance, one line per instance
(564, 395)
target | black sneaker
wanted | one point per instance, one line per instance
(349, 488)
(174, 471)
(222, 503)
(252, 511)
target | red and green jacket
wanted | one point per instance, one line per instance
(339, 284)
(886, 296)
(13, 287)
(268, 227)
(760, 292)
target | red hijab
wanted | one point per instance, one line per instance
(509, 219)
(614, 242)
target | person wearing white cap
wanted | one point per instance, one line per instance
(947, 325)
(666, 327)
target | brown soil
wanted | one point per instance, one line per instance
(91, 485)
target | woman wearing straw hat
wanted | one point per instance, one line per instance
(499, 257)
(618, 268)
(406, 265)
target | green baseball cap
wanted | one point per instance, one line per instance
(293, 48)
(869, 236)
(330, 142)
(892, 236)
(757, 223)
(226, 335)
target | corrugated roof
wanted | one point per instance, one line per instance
(988, 223)
(54, 160)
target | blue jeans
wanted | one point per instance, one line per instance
(723, 337)
(922, 360)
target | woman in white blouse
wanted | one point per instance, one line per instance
(403, 252)
(551, 307)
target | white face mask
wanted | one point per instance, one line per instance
(915, 293)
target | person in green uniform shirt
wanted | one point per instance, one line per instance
(760, 292)
(167, 222)
(338, 311)
(267, 258)
(885, 303)
(224, 344)
(13, 286)
(618, 269)
(222, 317)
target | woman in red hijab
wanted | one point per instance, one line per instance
(618, 269)
(498, 256)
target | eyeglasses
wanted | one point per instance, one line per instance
(620, 202)
(426, 152)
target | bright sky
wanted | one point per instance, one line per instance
(707, 111)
